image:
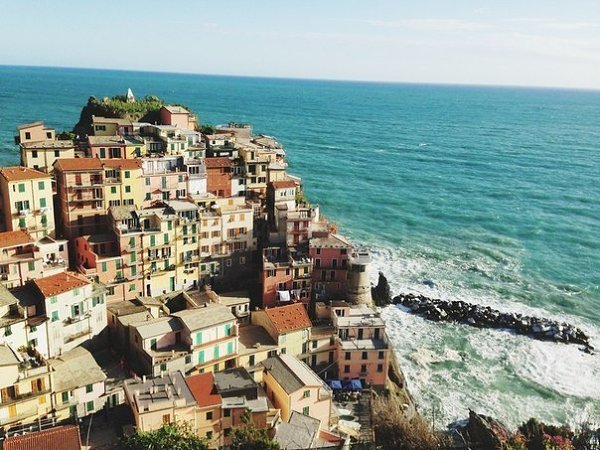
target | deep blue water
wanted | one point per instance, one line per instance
(491, 193)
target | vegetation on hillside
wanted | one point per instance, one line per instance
(146, 109)
(169, 436)
(249, 437)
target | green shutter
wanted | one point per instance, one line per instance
(21, 187)
(201, 357)
(31, 266)
(133, 256)
(199, 338)
(147, 181)
(42, 202)
(127, 174)
(41, 185)
(152, 240)
(113, 189)
(228, 330)
(229, 348)
(103, 266)
(216, 352)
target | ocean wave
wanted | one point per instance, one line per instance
(451, 367)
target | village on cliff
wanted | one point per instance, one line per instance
(166, 272)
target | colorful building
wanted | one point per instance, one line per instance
(288, 325)
(27, 201)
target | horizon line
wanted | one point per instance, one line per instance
(334, 80)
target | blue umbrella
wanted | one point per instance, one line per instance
(353, 385)
(335, 384)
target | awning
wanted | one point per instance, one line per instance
(335, 384)
(353, 385)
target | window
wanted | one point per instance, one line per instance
(209, 415)
(188, 359)
(166, 418)
(209, 435)
(314, 344)
(57, 153)
(113, 189)
(65, 397)
(27, 135)
(7, 331)
(363, 368)
(89, 388)
(90, 406)
(76, 292)
(228, 330)
(153, 343)
(379, 367)
(132, 287)
(365, 355)
(127, 189)
(306, 410)
(42, 202)
(348, 356)
(306, 394)
(163, 367)
(53, 300)
(251, 360)
(381, 355)
(346, 369)
(31, 265)
(226, 413)
(147, 181)
(41, 185)
(127, 174)
(199, 338)
(22, 223)
(55, 316)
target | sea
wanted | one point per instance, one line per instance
(490, 195)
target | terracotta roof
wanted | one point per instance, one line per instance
(76, 164)
(13, 238)
(64, 437)
(217, 162)
(284, 184)
(60, 283)
(20, 173)
(289, 317)
(122, 163)
(203, 389)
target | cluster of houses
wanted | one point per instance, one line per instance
(196, 262)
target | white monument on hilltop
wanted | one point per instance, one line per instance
(130, 97)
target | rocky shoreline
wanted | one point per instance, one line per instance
(486, 317)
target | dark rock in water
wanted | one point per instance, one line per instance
(486, 317)
(429, 283)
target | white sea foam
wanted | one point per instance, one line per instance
(451, 367)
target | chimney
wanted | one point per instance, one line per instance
(143, 378)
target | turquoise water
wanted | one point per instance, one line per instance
(491, 193)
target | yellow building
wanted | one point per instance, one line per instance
(24, 389)
(123, 182)
(40, 148)
(26, 199)
(289, 326)
(111, 126)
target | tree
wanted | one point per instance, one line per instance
(249, 437)
(207, 129)
(381, 293)
(171, 436)
(394, 431)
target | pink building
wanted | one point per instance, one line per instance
(285, 277)
(330, 270)
(177, 116)
(164, 179)
(99, 258)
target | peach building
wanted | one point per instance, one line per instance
(116, 147)
(27, 201)
(292, 386)
(363, 348)
(165, 179)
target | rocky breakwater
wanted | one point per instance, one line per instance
(486, 317)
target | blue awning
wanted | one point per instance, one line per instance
(353, 385)
(335, 384)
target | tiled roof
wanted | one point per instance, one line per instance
(60, 283)
(64, 437)
(19, 173)
(205, 317)
(13, 238)
(284, 184)
(122, 163)
(288, 318)
(217, 162)
(76, 164)
(203, 389)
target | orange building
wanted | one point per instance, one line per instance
(218, 171)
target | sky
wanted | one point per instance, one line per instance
(502, 42)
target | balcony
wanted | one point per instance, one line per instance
(24, 212)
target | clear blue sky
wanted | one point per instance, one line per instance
(507, 42)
